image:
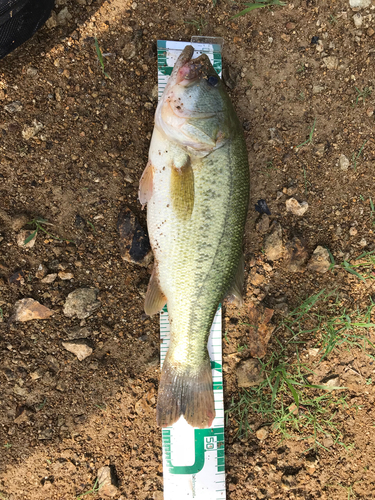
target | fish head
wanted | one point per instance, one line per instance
(194, 110)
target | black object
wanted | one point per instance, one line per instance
(19, 20)
(262, 207)
(314, 40)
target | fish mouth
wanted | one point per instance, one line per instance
(192, 69)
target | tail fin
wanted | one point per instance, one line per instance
(188, 393)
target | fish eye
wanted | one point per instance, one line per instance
(213, 81)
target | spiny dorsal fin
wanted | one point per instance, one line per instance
(155, 299)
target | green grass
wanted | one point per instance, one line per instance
(287, 400)
(258, 5)
(362, 94)
(199, 24)
(1, 314)
(356, 156)
(309, 139)
(101, 59)
(38, 223)
(362, 266)
(94, 490)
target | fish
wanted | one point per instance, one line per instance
(196, 188)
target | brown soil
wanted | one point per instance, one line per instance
(77, 172)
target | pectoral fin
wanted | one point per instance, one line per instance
(182, 187)
(146, 184)
(155, 299)
(235, 291)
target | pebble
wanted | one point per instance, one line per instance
(328, 442)
(50, 278)
(107, 482)
(229, 77)
(41, 271)
(133, 241)
(313, 351)
(13, 107)
(296, 256)
(31, 71)
(317, 89)
(81, 303)
(256, 279)
(353, 231)
(359, 4)
(249, 373)
(79, 348)
(63, 17)
(344, 162)
(148, 105)
(273, 243)
(296, 208)
(28, 309)
(331, 62)
(23, 235)
(65, 276)
(263, 224)
(31, 131)
(262, 433)
(331, 382)
(78, 333)
(320, 260)
(363, 242)
(275, 136)
(358, 19)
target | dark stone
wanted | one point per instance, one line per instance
(134, 242)
(262, 207)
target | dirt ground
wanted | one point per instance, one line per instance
(61, 418)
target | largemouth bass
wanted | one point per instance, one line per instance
(196, 186)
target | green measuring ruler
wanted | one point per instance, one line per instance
(193, 459)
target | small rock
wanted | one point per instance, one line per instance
(296, 256)
(319, 149)
(65, 276)
(275, 136)
(50, 278)
(22, 237)
(37, 374)
(79, 348)
(28, 309)
(262, 433)
(317, 89)
(359, 4)
(78, 333)
(157, 495)
(290, 191)
(358, 19)
(260, 329)
(273, 243)
(344, 162)
(319, 46)
(63, 17)
(262, 207)
(290, 26)
(229, 76)
(328, 442)
(331, 62)
(263, 224)
(256, 279)
(320, 260)
(363, 242)
(31, 71)
(13, 107)
(149, 106)
(370, 112)
(41, 271)
(20, 391)
(370, 32)
(18, 277)
(52, 20)
(296, 208)
(353, 231)
(81, 303)
(133, 242)
(107, 481)
(249, 373)
(30, 131)
(314, 351)
(331, 381)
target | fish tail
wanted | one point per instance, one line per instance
(186, 392)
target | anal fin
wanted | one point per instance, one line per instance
(235, 292)
(146, 184)
(155, 299)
